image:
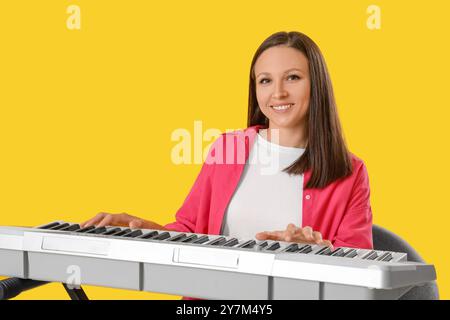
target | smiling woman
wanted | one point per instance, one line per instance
(289, 69)
(318, 192)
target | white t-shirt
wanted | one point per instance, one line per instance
(266, 198)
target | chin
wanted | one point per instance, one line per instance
(282, 124)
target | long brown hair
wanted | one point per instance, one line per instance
(326, 153)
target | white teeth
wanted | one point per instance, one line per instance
(281, 107)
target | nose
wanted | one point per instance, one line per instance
(279, 91)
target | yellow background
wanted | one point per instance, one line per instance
(86, 115)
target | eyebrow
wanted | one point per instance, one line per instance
(266, 73)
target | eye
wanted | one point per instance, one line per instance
(292, 76)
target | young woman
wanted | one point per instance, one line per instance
(313, 191)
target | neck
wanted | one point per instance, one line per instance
(287, 137)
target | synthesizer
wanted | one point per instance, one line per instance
(204, 266)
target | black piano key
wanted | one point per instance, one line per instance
(274, 246)
(50, 225)
(178, 237)
(121, 233)
(86, 229)
(148, 235)
(127, 233)
(190, 238)
(339, 252)
(72, 227)
(248, 244)
(305, 249)
(63, 225)
(97, 230)
(64, 228)
(133, 234)
(388, 258)
(384, 256)
(262, 244)
(350, 253)
(231, 243)
(162, 236)
(291, 248)
(327, 252)
(201, 240)
(217, 242)
(111, 231)
(372, 255)
(324, 251)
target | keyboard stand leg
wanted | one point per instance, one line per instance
(76, 294)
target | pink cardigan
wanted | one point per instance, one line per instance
(341, 211)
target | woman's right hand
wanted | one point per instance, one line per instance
(120, 219)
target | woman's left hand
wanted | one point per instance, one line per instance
(295, 234)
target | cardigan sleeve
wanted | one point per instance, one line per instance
(355, 229)
(197, 202)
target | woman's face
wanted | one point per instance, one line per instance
(283, 86)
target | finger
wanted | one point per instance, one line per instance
(291, 228)
(106, 221)
(120, 219)
(137, 224)
(124, 219)
(94, 220)
(266, 235)
(317, 237)
(261, 236)
(290, 232)
(89, 222)
(308, 233)
(327, 243)
(298, 235)
(276, 235)
(271, 235)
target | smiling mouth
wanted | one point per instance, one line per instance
(282, 107)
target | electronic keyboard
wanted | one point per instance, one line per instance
(204, 266)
